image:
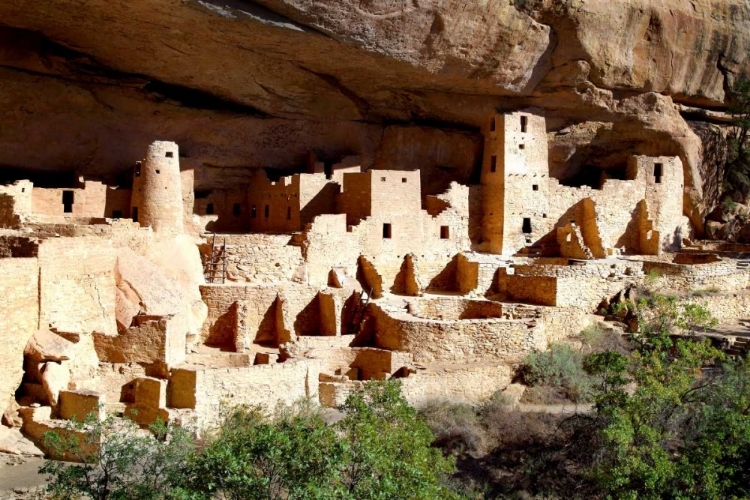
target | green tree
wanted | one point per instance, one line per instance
(387, 448)
(115, 460)
(292, 456)
(681, 432)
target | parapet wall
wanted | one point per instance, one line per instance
(723, 275)
(207, 389)
(461, 340)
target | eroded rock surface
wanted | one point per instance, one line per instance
(261, 84)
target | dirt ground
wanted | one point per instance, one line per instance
(20, 478)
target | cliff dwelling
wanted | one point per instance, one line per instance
(159, 300)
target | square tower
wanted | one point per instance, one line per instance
(515, 181)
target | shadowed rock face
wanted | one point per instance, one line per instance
(86, 86)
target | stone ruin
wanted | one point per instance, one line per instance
(161, 301)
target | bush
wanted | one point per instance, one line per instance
(117, 460)
(381, 449)
(560, 366)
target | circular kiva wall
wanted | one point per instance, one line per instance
(453, 309)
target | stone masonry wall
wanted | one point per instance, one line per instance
(257, 258)
(205, 389)
(464, 340)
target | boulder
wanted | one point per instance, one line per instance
(55, 378)
(46, 345)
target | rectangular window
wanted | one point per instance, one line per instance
(170, 154)
(268, 211)
(522, 146)
(658, 170)
(68, 198)
(382, 179)
(158, 171)
(253, 212)
(135, 214)
(236, 210)
(137, 169)
(386, 231)
(526, 225)
(288, 213)
(492, 124)
(209, 209)
(117, 214)
(535, 187)
(403, 179)
(445, 232)
(493, 163)
(524, 123)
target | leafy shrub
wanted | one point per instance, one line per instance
(559, 366)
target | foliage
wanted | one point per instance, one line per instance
(294, 456)
(381, 449)
(559, 366)
(116, 459)
(388, 452)
(681, 432)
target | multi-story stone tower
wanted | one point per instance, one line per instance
(515, 180)
(157, 189)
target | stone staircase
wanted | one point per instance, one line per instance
(739, 348)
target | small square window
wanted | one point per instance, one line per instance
(209, 209)
(445, 232)
(658, 171)
(382, 179)
(535, 187)
(522, 146)
(236, 210)
(386, 231)
(170, 154)
(493, 163)
(158, 171)
(403, 179)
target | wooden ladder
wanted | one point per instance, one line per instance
(358, 315)
(216, 262)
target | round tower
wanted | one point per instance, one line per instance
(157, 189)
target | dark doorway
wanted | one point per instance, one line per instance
(524, 123)
(209, 209)
(68, 198)
(386, 231)
(445, 232)
(135, 214)
(117, 214)
(658, 168)
(526, 225)
(236, 210)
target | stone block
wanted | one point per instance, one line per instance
(77, 405)
(150, 392)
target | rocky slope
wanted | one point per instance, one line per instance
(86, 85)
